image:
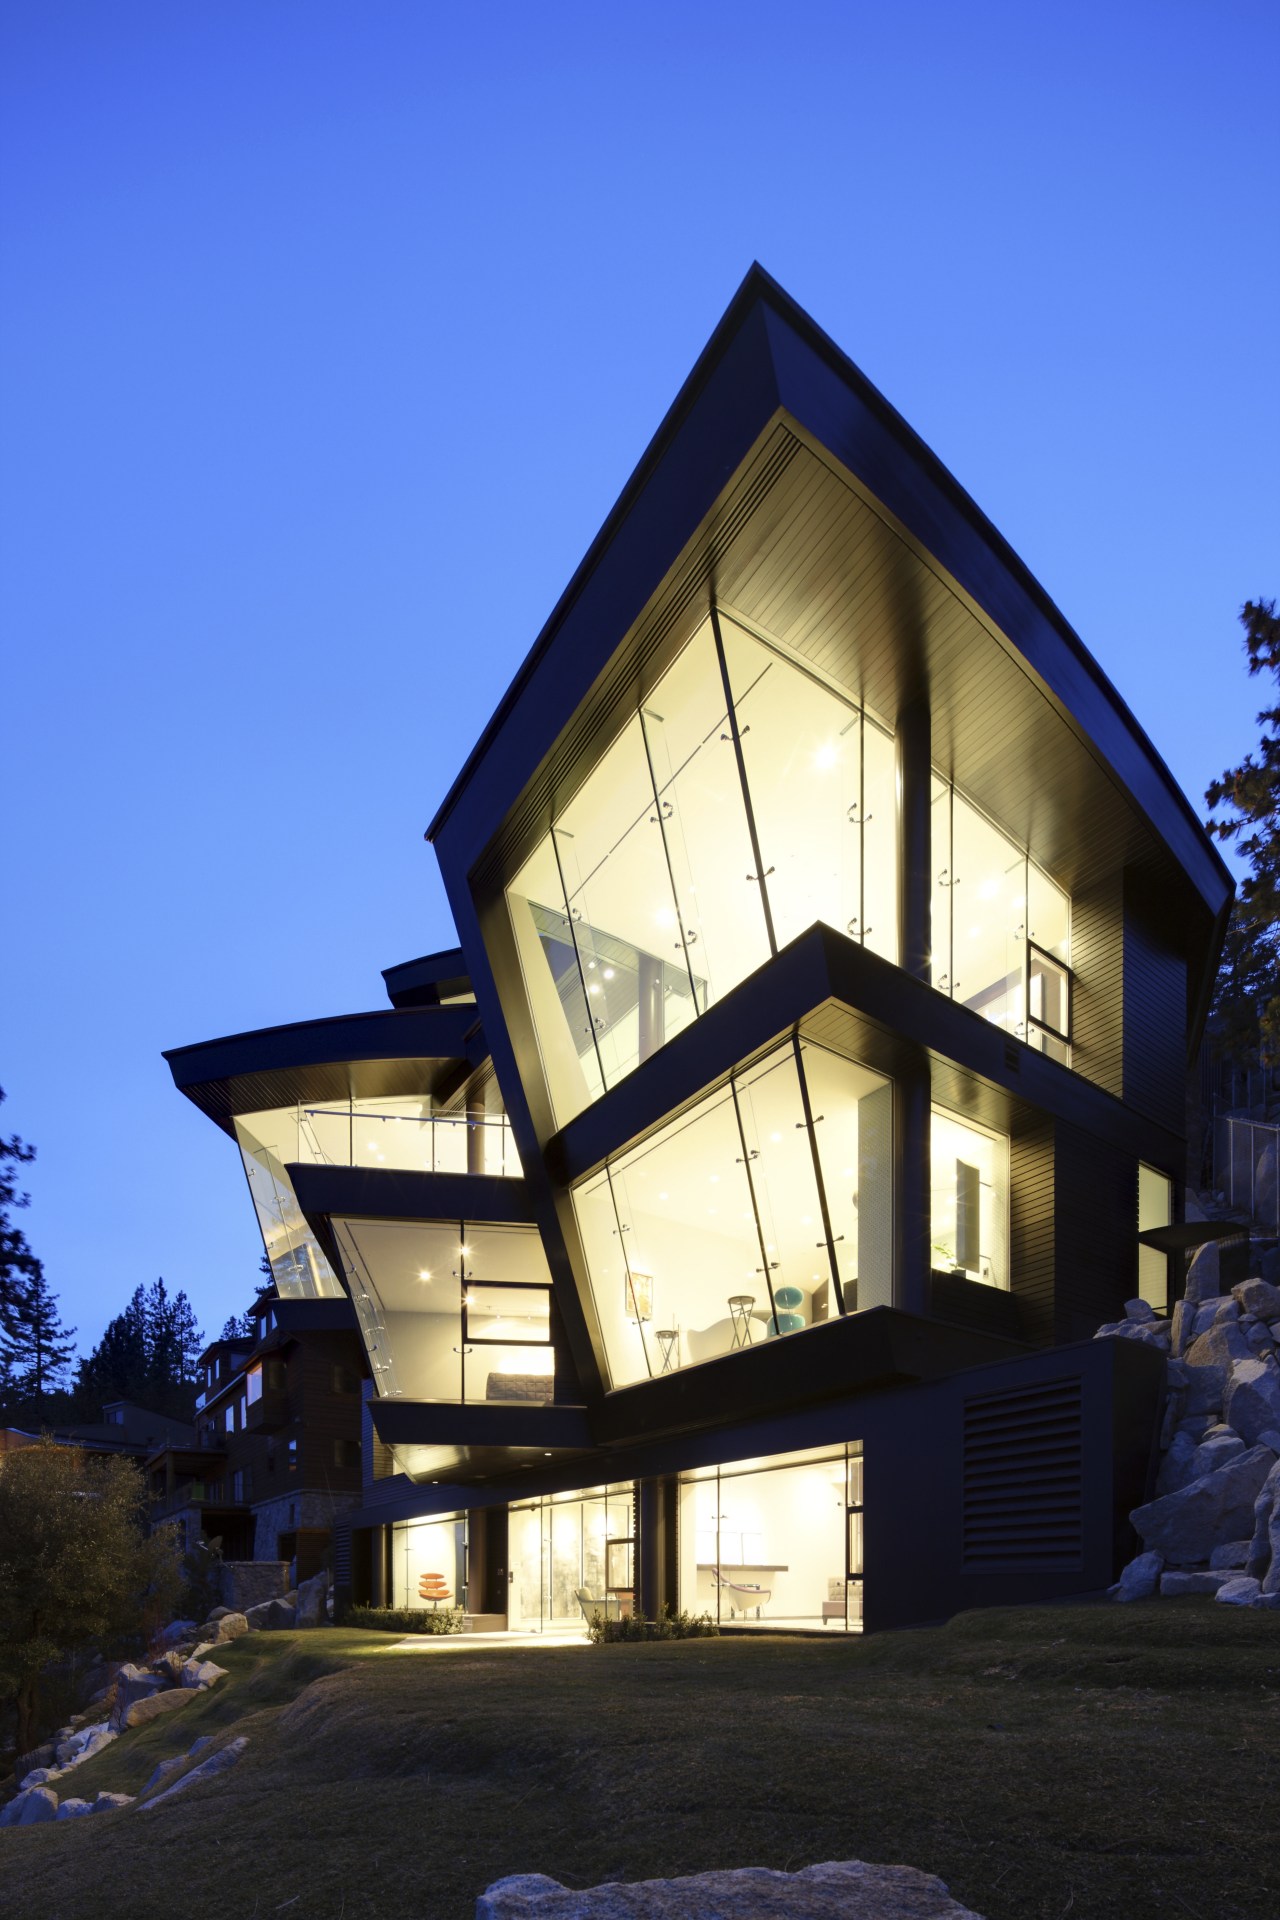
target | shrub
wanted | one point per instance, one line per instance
(405, 1619)
(667, 1626)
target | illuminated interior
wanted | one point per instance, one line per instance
(1001, 929)
(451, 1310)
(644, 906)
(970, 1202)
(414, 1134)
(777, 1543)
(1155, 1209)
(429, 1563)
(569, 1555)
(740, 1222)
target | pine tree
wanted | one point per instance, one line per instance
(119, 1366)
(238, 1326)
(148, 1353)
(1248, 988)
(17, 1262)
(37, 1348)
(174, 1346)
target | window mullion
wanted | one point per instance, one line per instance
(577, 955)
(626, 1267)
(811, 1130)
(759, 876)
(755, 1209)
(666, 854)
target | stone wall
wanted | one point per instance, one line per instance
(247, 1583)
(290, 1511)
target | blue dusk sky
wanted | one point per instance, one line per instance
(330, 333)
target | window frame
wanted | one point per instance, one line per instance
(1060, 966)
(470, 1339)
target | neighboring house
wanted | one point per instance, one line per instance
(124, 1428)
(275, 1457)
(729, 1217)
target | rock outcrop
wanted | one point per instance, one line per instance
(207, 1770)
(30, 1808)
(1214, 1524)
(837, 1890)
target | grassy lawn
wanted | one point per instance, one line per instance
(1101, 1762)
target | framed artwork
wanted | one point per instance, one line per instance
(639, 1296)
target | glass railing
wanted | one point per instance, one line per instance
(396, 1133)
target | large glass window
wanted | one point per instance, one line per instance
(821, 779)
(571, 1555)
(744, 1220)
(853, 1127)
(775, 1543)
(631, 946)
(646, 903)
(704, 822)
(429, 1563)
(1001, 929)
(1155, 1209)
(298, 1267)
(970, 1208)
(451, 1311)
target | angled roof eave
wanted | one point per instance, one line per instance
(768, 356)
(322, 1059)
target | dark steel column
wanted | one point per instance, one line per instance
(656, 1538)
(475, 1136)
(915, 865)
(380, 1585)
(912, 1238)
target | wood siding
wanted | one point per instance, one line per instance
(1097, 960)
(1155, 1009)
(1032, 1242)
(1096, 1233)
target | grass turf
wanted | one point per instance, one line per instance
(1107, 1762)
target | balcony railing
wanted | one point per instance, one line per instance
(420, 1143)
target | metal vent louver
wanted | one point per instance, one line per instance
(341, 1543)
(1022, 1494)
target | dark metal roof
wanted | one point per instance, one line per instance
(430, 981)
(380, 1055)
(776, 420)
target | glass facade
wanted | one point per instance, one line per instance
(775, 1543)
(571, 1555)
(970, 1210)
(298, 1267)
(646, 904)
(1001, 929)
(451, 1310)
(757, 1213)
(429, 1562)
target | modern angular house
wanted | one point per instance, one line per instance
(727, 1220)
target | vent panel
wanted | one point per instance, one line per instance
(1023, 1503)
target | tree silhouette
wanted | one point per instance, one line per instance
(1248, 987)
